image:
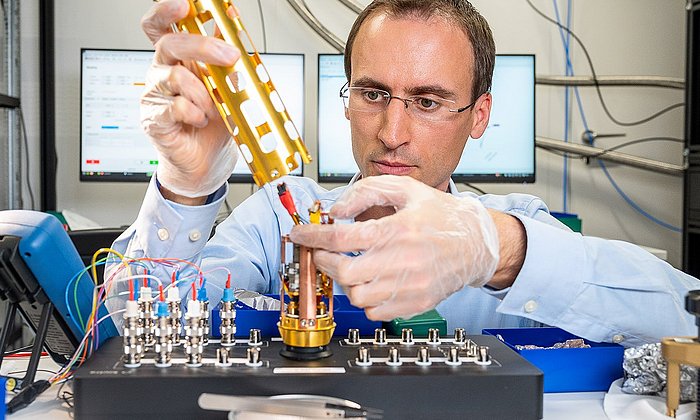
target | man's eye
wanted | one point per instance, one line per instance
(426, 104)
(372, 95)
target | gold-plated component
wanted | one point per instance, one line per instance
(245, 96)
(315, 213)
(677, 351)
(306, 323)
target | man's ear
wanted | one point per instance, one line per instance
(347, 114)
(481, 114)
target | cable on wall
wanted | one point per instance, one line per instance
(303, 12)
(617, 188)
(262, 24)
(595, 77)
(352, 5)
(26, 157)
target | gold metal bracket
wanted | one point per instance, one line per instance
(244, 95)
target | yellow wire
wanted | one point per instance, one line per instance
(124, 261)
(108, 251)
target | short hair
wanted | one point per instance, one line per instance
(460, 12)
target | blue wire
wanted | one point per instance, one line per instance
(567, 113)
(76, 278)
(569, 72)
(622, 194)
(633, 204)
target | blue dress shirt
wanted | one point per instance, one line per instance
(603, 290)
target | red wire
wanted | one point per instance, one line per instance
(26, 354)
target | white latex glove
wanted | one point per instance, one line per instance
(434, 245)
(196, 151)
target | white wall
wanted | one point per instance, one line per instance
(624, 37)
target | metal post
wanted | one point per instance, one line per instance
(14, 139)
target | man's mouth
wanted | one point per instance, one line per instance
(388, 167)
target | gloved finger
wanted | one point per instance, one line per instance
(164, 115)
(160, 17)
(182, 110)
(341, 268)
(373, 293)
(175, 48)
(354, 237)
(383, 190)
(375, 266)
(331, 263)
(177, 80)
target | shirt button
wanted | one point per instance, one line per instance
(618, 338)
(530, 306)
(195, 235)
(163, 234)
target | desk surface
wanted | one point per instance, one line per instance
(570, 406)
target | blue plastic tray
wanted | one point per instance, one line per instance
(346, 317)
(566, 370)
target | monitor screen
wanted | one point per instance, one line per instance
(505, 153)
(113, 146)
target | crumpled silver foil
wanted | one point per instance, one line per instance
(257, 301)
(574, 343)
(645, 373)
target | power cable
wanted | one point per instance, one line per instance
(595, 77)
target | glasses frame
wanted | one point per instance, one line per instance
(346, 88)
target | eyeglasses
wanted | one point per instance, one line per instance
(426, 108)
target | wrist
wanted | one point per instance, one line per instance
(181, 199)
(512, 241)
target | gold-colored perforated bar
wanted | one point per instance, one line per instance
(246, 98)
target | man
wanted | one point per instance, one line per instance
(419, 77)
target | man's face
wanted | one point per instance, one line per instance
(414, 57)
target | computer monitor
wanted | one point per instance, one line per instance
(113, 146)
(505, 153)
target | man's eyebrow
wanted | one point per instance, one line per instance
(436, 90)
(432, 90)
(368, 82)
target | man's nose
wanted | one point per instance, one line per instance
(395, 126)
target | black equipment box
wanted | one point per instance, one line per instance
(509, 388)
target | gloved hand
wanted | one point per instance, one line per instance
(196, 151)
(434, 245)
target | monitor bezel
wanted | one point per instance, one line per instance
(140, 177)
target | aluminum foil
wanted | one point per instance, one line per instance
(645, 373)
(257, 301)
(575, 343)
